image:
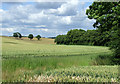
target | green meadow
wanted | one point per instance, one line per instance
(29, 60)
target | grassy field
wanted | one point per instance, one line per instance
(25, 48)
(23, 59)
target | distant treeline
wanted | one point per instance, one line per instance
(52, 37)
(30, 36)
(82, 37)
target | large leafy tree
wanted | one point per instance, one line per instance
(107, 16)
(19, 35)
(30, 36)
(38, 37)
(15, 35)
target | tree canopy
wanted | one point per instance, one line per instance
(80, 37)
(107, 16)
(17, 34)
(30, 36)
(38, 37)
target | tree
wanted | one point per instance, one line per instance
(15, 35)
(92, 37)
(30, 36)
(75, 36)
(107, 16)
(19, 35)
(38, 37)
(60, 39)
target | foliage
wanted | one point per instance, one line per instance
(104, 59)
(38, 37)
(80, 74)
(17, 34)
(75, 36)
(30, 36)
(107, 16)
(61, 39)
(82, 37)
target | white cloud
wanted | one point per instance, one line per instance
(44, 29)
(41, 26)
(15, 0)
(37, 16)
(41, 29)
(8, 29)
(48, 0)
(1, 13)
(49, 21)
(1, 10)
(66, 20)
(66, 9)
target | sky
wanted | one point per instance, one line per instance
(47, 19)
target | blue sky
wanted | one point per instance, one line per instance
(44, 18)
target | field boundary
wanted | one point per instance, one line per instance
(50, 56)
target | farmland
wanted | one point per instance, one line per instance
(80, 74)
(23, 59)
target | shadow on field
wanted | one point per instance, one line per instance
(11, 42)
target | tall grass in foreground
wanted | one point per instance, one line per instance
(12, 67)
(80, 74)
